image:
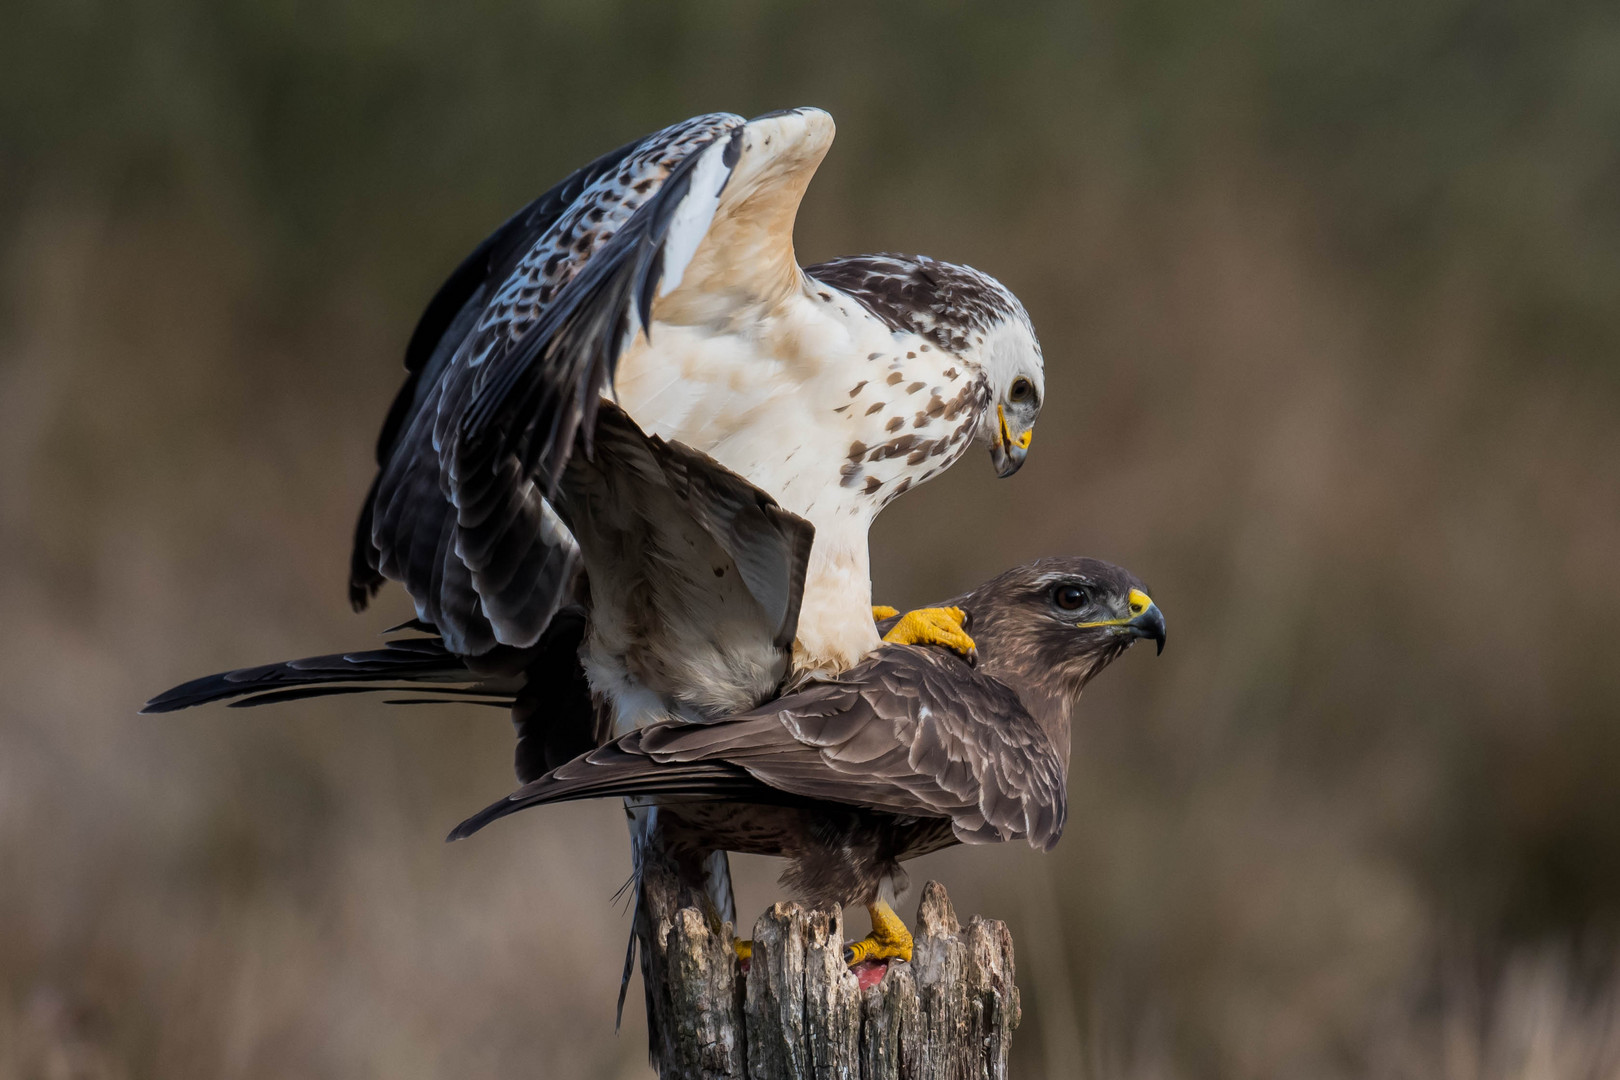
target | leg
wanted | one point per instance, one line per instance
(889, 939)
(717, 887)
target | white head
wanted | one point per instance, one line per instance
(967, 314)
(1016, 374)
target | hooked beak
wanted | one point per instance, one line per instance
(1146, 620)
(1008, 450)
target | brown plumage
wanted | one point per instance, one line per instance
(908, 752)
(695, 580)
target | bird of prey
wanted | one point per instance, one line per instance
(597, 581)
(700, 575)
(907, 752)
(663, 275)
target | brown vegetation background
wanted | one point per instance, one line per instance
(1330, 296)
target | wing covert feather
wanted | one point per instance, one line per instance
(910, 731)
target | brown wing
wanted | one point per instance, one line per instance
(911, 731)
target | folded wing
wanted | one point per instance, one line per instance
(911, 731)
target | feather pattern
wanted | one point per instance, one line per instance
(482, 431)
(911, 732)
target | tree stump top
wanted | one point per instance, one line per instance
(799, 1013)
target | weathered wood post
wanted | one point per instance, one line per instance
(800, 1014)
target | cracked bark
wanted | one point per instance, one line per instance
(799, 1013)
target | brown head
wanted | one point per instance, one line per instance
(1048, 627)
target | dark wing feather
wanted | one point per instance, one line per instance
(448, 319)
(910, 731)
(922, 734)
(529, 397)
(553, 715)
(459, 512)
(611, 772)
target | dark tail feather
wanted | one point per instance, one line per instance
(635, 921)
(403, 665)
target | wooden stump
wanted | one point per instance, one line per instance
(800, 1014)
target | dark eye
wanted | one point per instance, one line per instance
(1022, 390)
(1069, 597)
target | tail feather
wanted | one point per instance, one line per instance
(401, 666)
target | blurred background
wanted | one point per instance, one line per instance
(1330, 297)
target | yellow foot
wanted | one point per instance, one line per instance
(889, 939)
(744, 948)
(934, 626)
(883, 611)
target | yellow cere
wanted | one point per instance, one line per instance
(1139, 602)
(1024, 439)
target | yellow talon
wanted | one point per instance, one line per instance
(883, 611)
(934, 626)
(744, 948)
(889, 939)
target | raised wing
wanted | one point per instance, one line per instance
(910, 731)
(513, 355)
(446, 322)
(486, 561)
